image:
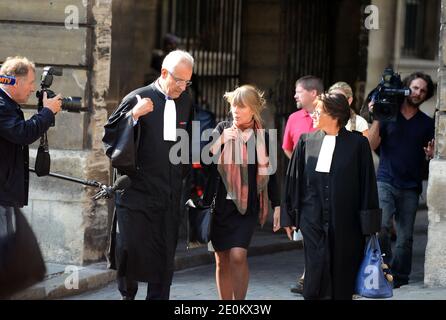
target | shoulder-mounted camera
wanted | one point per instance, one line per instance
(388, 96)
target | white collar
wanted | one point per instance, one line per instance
(326, 154)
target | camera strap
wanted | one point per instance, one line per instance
(43, 160)
(44, 141)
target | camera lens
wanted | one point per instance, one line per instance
(72, 104)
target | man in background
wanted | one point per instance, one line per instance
(299, 122)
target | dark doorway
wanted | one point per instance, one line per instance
(210, 30)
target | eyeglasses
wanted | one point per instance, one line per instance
(179, 82)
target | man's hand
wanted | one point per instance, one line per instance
(142, 107)
(54, 104)
(370, 105)
(429, 150)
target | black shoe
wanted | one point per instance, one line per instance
(297, 288)
(399, 283)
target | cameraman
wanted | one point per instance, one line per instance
(16, 134)
(404, 145)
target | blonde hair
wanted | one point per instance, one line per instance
(248, 96)
(17, 66)
(343, 87)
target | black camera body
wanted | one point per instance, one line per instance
(388, 96)
(70, 104)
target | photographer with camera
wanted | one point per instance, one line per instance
(404, 135)
(16, 134)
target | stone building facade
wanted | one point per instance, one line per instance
(435, 261)
(105, 48)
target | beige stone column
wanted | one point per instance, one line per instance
(435, 259)
(381, 42)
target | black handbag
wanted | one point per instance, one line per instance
(198, 225)
(21, 261)
(199, 221)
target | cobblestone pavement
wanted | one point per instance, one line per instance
(270, 279)
(271, 276)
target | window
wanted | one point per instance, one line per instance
(421, 31)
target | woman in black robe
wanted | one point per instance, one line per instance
(244, 182)
(330, 194)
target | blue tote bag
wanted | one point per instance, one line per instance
(371, 281)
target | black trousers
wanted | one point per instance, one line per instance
(155, 291)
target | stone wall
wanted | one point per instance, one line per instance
(435, 261)
(134, 38)
(259, 61)
(74, 34)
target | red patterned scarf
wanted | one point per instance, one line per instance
(233, 168)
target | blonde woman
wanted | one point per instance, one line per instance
(241, 188)
(356, 122)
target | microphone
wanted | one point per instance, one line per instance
(120, 184)
(8, 80)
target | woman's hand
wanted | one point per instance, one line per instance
(228, 134)
(276, 219)
(289, 232)
(276, 224)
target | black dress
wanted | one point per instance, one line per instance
(229, 228)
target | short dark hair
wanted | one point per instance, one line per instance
(311, 83)
(430, 84)
(336, 106)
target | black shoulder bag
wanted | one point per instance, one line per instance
(43, 160)
(199, 220)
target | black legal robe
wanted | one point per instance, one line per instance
(334, 211)
(145, 229)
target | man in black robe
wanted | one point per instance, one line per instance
(334, 210)
(138, 138)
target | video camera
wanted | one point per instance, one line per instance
(70, 104)
(388, 96)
